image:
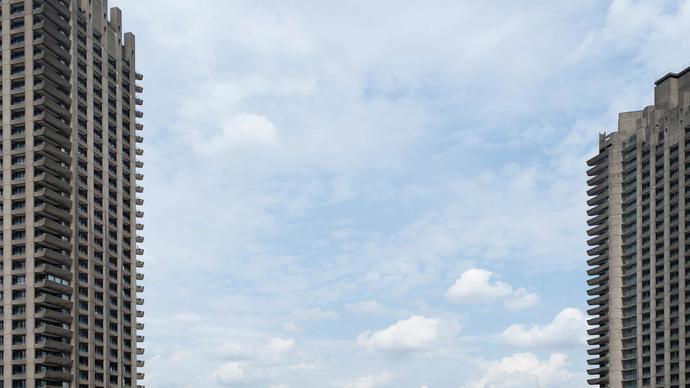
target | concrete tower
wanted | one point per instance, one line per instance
(640, 245)
(69, 196)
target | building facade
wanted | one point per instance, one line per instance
(71, 304)
(639, 245)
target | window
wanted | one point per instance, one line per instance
(16, 8)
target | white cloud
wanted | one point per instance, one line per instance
(370, 381)
(525, 370)
(521, 299)
(366, 307)
(231, 373)
(414, 333)
(279, 347)
(568, 327)
(474, 286)
(244, 129)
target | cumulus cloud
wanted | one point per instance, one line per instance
(568, 327)
(476, 286)
(371, 381)
(278, 347)
(526, 370)
(414, 333)
(521, 299)
(231, 373)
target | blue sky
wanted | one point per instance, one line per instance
(379, 194)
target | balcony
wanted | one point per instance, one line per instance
(52, 182)
(52, 197)
(53, 375)
(54, 346)
(58, 153)
(53, 136)
(53, 301)
(55, 287)
(140, 264)
(54, 212)
(50, 241)
(54, 316)
(53, 360)
(46, 254)
(45, 224)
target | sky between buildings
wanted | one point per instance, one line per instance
(361, 194)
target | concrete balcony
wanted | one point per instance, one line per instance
(140, 239)
(53, 360)
(139, 201)
(140, 351)
(139, 164)
(49, 119)
(60, 110)
(45, 224)
(139, 177)
(140, 276)
(139, 127)
(52, 182)
(140, 301)
(53, 330)
(54, 316)
(52, 300)
(139, 214)
(140, 264)
(46, 254)
(140, 326)
(139, 101)
(140, 314)
(53, 375)
(140, 289)
(139, 151)
(139, 189)
(53, 346)
(56, 138)
(139, 76)
(139, 89)
(48, 269)
(58, 153)
(50, 241)
(140, 226)
(53, 286)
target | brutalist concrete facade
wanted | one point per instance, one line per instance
(71, 301)
(640, 245)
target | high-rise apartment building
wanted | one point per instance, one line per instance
(639, 245)
(70, 305)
